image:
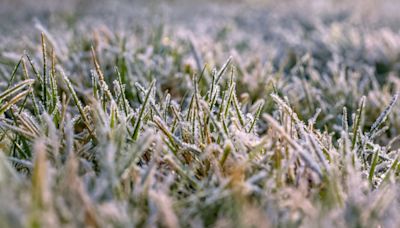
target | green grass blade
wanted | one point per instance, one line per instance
(139, 118)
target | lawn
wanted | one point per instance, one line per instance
(199, 114)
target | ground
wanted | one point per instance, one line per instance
(201, 114)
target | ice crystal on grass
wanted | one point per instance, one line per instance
(259, 116)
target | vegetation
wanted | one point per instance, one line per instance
(151, 127)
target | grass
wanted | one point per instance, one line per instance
(131, 129)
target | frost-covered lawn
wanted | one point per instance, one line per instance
(200, 114)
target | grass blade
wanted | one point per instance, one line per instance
(139, 118)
